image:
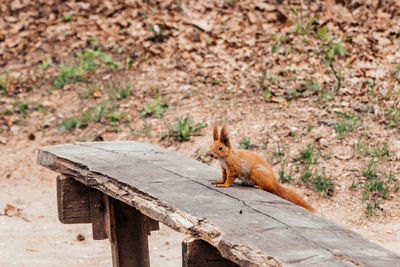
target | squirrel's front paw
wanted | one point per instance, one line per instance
(217, 182)
(223, 185)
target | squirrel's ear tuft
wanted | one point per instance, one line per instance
(224, 138)
(215, 132)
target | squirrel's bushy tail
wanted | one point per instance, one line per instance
(266, 180)
(291, 196)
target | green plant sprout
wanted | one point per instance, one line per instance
(182, 130)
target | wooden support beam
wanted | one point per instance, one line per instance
(100, 217)
(98, 214)
(198, 253)
(152, 225)
(128, 230)
(72, 200)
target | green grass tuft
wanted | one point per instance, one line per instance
(154, 108)
(182, 130)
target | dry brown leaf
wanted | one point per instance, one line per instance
(203, 24)
(10, 210)
(31, 250)
(97, 93)
(344, 157)
(343, 153)
(3, 140)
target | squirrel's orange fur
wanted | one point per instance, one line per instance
(248, 167)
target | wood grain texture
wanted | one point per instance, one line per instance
(250, 227)
(72, 200)
(98, 214)
(100, 218)
(128, 235)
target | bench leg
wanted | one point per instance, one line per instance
(125, 227)
(128, 232)
(101, 221)
(98, 213)
(72, 201)
(198, 253)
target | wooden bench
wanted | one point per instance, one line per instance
(125, 188)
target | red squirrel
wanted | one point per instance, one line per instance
(249, 167)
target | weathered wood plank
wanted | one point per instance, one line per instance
(128, 235)
(198, 253)
(248, 226)
(72, 200)
(98, 214)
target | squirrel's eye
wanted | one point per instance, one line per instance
(220, 148)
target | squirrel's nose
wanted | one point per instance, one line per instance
(211, 155)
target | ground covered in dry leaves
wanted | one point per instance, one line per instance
(313, 86)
